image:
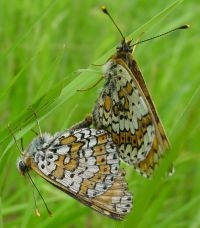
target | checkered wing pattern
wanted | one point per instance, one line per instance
(125, 109)
(83, 163)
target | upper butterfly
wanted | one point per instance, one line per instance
(125, 109)
(84, 164)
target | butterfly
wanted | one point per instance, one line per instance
(125, 109)
(84, 164)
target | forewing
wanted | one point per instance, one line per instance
(84, 164)
(160, 142)
(131, 65)
(127, 117)
(130, 116)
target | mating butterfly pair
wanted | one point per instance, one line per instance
(84, 162)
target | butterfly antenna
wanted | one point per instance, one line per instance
(104, 9)
(15, 140)
(38, 124)
(37, 121)
(36, 209)
(162, 34)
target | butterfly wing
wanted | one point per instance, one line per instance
(117, 201)
(160, 142)
(124, 110)
(84, 164)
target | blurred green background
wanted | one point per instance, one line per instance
(44, 45)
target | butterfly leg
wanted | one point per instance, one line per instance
(84, 123)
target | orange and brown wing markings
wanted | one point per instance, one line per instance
(127, 61)
(127, 90)
(103, 204)
(85, 185)
(99, 150)
(75, 148)
(144, 123)
(59, 171)
(122, 137)
(74, 145)
(61, 166)
(164, 139)
(149, 163)
(136, 139)
(138, 75)
(160, 129)
(112, 200)
(73, 154)
(105, 169)
(128, 138)
(68, 140)
(90, 183)
(101, 139)
(115, 109)
(55, 162)
(101, 159)
(107, 103)
(115, 138)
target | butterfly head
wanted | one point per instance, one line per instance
(22, 166)
(125, 46)
(38, 144)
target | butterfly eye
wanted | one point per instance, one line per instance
(22, 167)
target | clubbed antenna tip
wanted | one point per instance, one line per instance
(104, 10)
(184, 27)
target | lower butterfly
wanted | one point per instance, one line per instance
(83, 163)
(125, 109)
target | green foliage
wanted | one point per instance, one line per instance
(43, 45)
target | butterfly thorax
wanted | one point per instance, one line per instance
(41, 144)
